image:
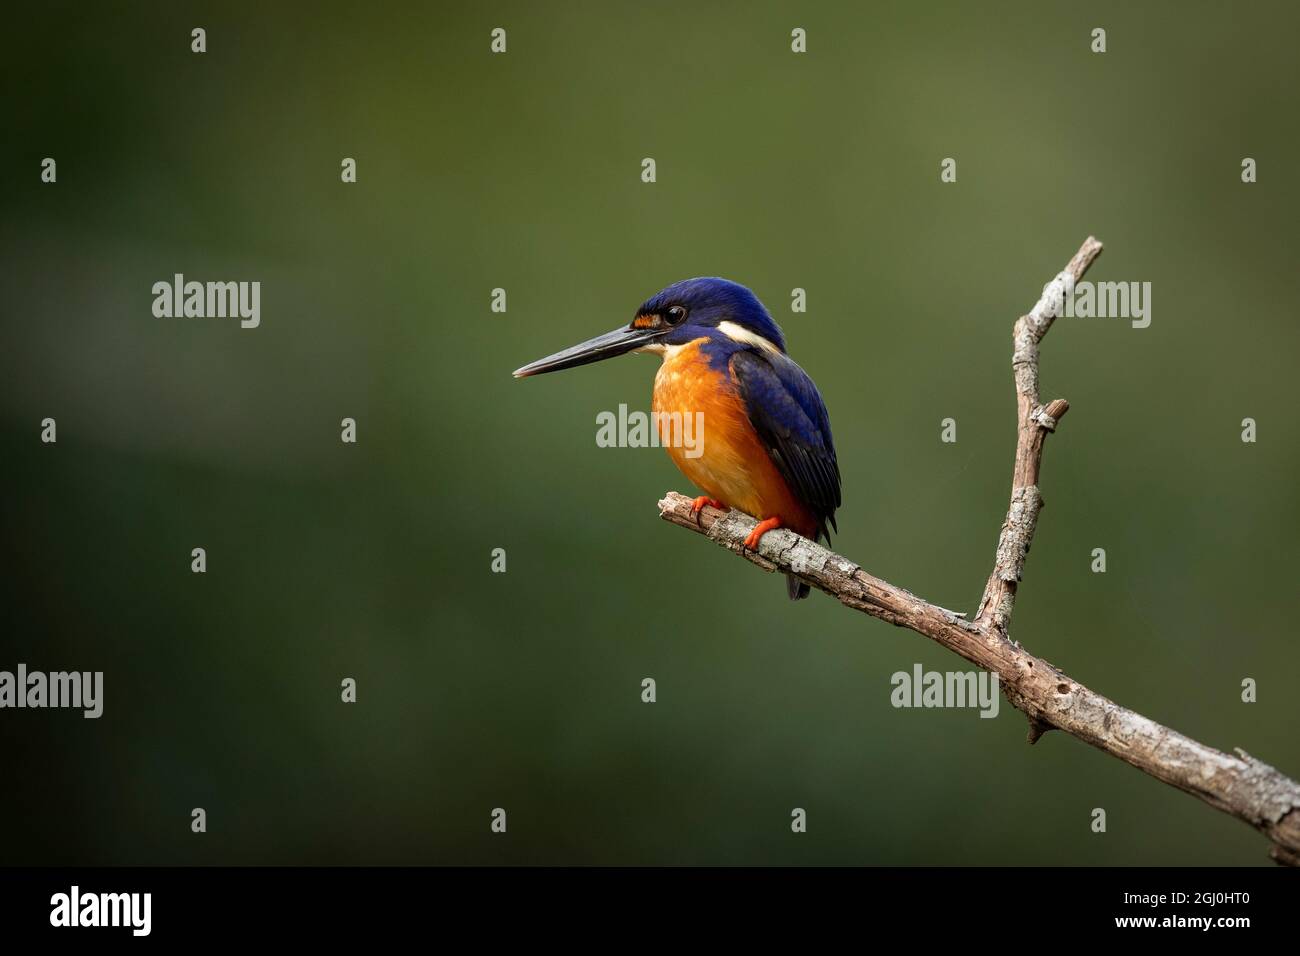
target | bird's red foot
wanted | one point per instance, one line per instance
(762, 528)
(703, 500)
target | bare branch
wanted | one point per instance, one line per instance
(1033, 422)
(1237, 784)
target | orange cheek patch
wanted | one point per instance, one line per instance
(644, 322)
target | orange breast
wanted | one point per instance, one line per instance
(728, 461)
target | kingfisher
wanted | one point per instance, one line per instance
(767, 447)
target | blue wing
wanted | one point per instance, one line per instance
(790, 418)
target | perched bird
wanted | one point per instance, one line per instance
(767, 446)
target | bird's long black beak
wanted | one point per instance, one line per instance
(611, 344)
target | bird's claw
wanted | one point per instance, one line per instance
(760, 529)
(698, 505)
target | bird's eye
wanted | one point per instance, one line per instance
(676, 315)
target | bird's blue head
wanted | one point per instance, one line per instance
(695, 308)
(715, 309)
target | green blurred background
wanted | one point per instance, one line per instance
(522, 690)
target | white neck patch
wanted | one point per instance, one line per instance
(738, 333)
